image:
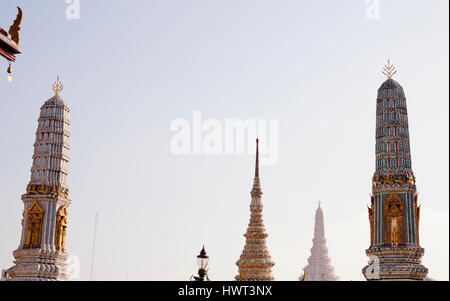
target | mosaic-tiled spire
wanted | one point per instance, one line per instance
(319, 265)
(255, 263)
(394, 212)
(41, 254)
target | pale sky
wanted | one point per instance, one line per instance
(132, 67)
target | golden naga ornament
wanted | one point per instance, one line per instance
(15, 27)
(34, 225)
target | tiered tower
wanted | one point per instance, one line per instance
(395, 252)
(255, 263)
(41, 254)
(319, 265)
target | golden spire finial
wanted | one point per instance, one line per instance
(57, 86)
(389, 70)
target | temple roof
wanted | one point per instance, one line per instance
(56, 100)
(8, 48)
(391, 84)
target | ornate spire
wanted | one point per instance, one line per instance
(57, 86)
(256, 190)
(319, 267)
(42, 254)
(255, 263)
(389, 70)
(257, 159)
(393, 214)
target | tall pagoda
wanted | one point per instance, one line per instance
(394, 252)
(41, 254)
(319, 266)
(255, 263)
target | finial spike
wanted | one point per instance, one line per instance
(389, 70)
(57, 86)
(257, 159)
(203, 251)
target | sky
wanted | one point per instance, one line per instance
(130, 68)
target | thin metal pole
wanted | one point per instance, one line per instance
(93, 244)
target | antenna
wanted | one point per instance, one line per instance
(93, 243)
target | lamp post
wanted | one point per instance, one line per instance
(202, 263)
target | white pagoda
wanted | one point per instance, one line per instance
(41, 254)
(319, 266)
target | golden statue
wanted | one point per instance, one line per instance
(32, 190)
(61, 229)
(378, 180)
(394, 225)
(34, 225)
(399, 180)
(42, 189)
(394, 231)
(388, 179)
(53, 191)
(411, 179)
(15, 28)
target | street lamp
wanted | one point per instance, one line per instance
(202, 263)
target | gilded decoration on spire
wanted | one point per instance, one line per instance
(389, 70)
(57, 86)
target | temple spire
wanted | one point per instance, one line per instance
(42, 253)
(319, 266)
(257, 159)
(393, 213)
(57, 86)
(255, 263)
(256, 190)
